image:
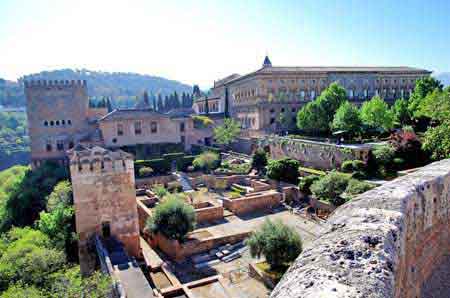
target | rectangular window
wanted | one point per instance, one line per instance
(119, 129)
(182, 126)
(137, 128)
(154, 127)
(48, 146)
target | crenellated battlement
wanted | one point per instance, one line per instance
(86, 160)
(54, 83)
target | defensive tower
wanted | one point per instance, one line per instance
(105, 199)
(57, 117)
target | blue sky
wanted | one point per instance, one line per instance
(200, 41)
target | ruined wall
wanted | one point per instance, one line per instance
(314, 154)
(386, 242)
(208, 214)
(104, 195)
(252, 202)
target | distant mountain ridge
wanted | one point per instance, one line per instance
(121, 86)
(444, 77)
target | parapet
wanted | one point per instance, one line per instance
(54, 83)
(94, 159)
(385, 243)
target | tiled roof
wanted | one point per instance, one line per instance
(332, 69)
(130, 114)
(226, 79)
(340, 69)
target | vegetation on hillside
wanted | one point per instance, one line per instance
(14, 141)
(38, 256)
(123, 88)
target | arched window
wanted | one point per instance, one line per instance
(45, 123)
(57, 122)
(52, 123)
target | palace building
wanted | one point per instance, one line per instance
(257, 99)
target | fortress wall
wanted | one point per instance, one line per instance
(385, 243)
(319, 155)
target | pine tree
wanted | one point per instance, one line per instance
(160, 103)
(206, 105)
(176, 101)
(146, 100)
(166, 103)
(108, 104)
(196, 91)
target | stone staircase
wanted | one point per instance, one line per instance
(184, 181)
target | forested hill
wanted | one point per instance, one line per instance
(118, 85)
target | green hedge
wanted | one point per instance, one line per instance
(173, 156)
(185, 162)
(159, 165)
(198, 149)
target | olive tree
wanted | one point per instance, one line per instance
(277, 242)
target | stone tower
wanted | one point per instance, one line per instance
(105, 199)
(57, 117)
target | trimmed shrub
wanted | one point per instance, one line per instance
(356, 187)
(207, 161)
(160, 191)
(185, 162)
(279, 243)
(358, 165)
(173, 218)
(359, 175)
(285, 169)
(259, 159)
(384, 154)
(399, 163)
(305, 183)
(347, 166)
(330, 187)
(145, 172)
(350, 166)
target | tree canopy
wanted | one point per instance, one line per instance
(227, 132)
(284, 169)
(347, 118)
(279, 243)
(423, 87)
(173, 218)
(316, 116)
(376, 114)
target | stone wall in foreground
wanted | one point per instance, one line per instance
(385, 243)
